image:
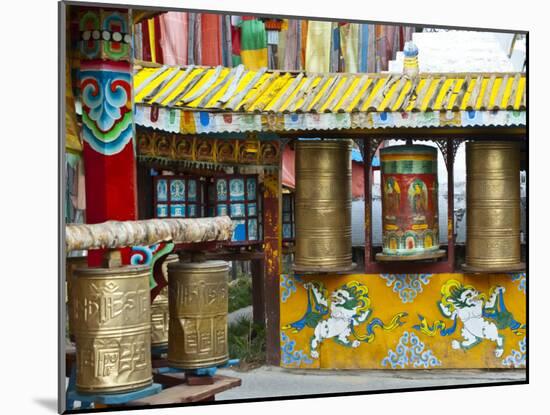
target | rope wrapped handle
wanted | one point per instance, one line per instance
(120, 234)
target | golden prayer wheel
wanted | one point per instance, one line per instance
(159, 309)
(493, 206)
(323, 206)
(112, 328)
(197, 298)
(71, 264)
(410, 228)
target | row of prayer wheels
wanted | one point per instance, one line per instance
(115, 325)
(410, 220)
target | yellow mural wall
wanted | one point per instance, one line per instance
(399, 321)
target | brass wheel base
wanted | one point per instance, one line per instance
(495, 270)
(419, 257)
(324, 270)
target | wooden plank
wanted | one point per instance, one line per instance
(239, 73)
(267, 97)
(487, 94)
(289, 90)
(513, 93)
(176, 85)
(431, 101)
(259, 92)
(375, 103)
(460, 96)
(422, 93)
(500, 94)
(204, 87)
(475, 93)
(150, 79)
(159, 87)
(447, 95)
(311, 95)
(328, 92)
(411, 94)
(208, 97)
(187, 88)
(338, 96)
(303, 90)
(236, 102)
(396, 94)
(349, 99)
(187, 393)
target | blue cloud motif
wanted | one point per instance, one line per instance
(407, 286)
(517, 358)
(105, 101)
(410, 351)
(288, 283)
(289, 356)
(521, 279)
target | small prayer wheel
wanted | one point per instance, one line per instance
(159, 309)
(492, 206)
(323, 206)
(112, 329)
(198, 303)
(410, 228)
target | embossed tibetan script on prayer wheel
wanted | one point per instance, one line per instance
(323, 206)
(493, 206)
(71, 264)
(197, 298)
(409, 203)
(112, 328)
(159, 309)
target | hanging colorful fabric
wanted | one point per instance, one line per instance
(173, 37)
(253, 44)
(211, 39)
(236, 45)
(350, 46)
(335, 47)
(318, 47)
(363, 47)
(146, 41)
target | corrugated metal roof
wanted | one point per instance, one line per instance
(240, 90)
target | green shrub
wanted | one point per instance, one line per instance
(240, 293)
(246, 342)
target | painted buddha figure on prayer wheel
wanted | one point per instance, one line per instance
(409, 203)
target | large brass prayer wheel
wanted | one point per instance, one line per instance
(159, 309)
(493, 206)
(323, 206)
(71, 264)
(197, 298)
(410, 228)
(112, 328)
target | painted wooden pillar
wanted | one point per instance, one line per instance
(273, 264)
(107, 118)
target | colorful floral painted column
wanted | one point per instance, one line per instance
(107, 118)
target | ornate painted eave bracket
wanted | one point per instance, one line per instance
(120, 234)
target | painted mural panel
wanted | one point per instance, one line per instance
(403, 321)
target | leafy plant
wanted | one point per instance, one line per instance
(247, 343)
(240, 292)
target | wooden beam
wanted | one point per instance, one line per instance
(273, 265)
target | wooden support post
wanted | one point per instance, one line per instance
(450, 162)
(257, 267)
(367, 162)
(272, 250)
(107, 118)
